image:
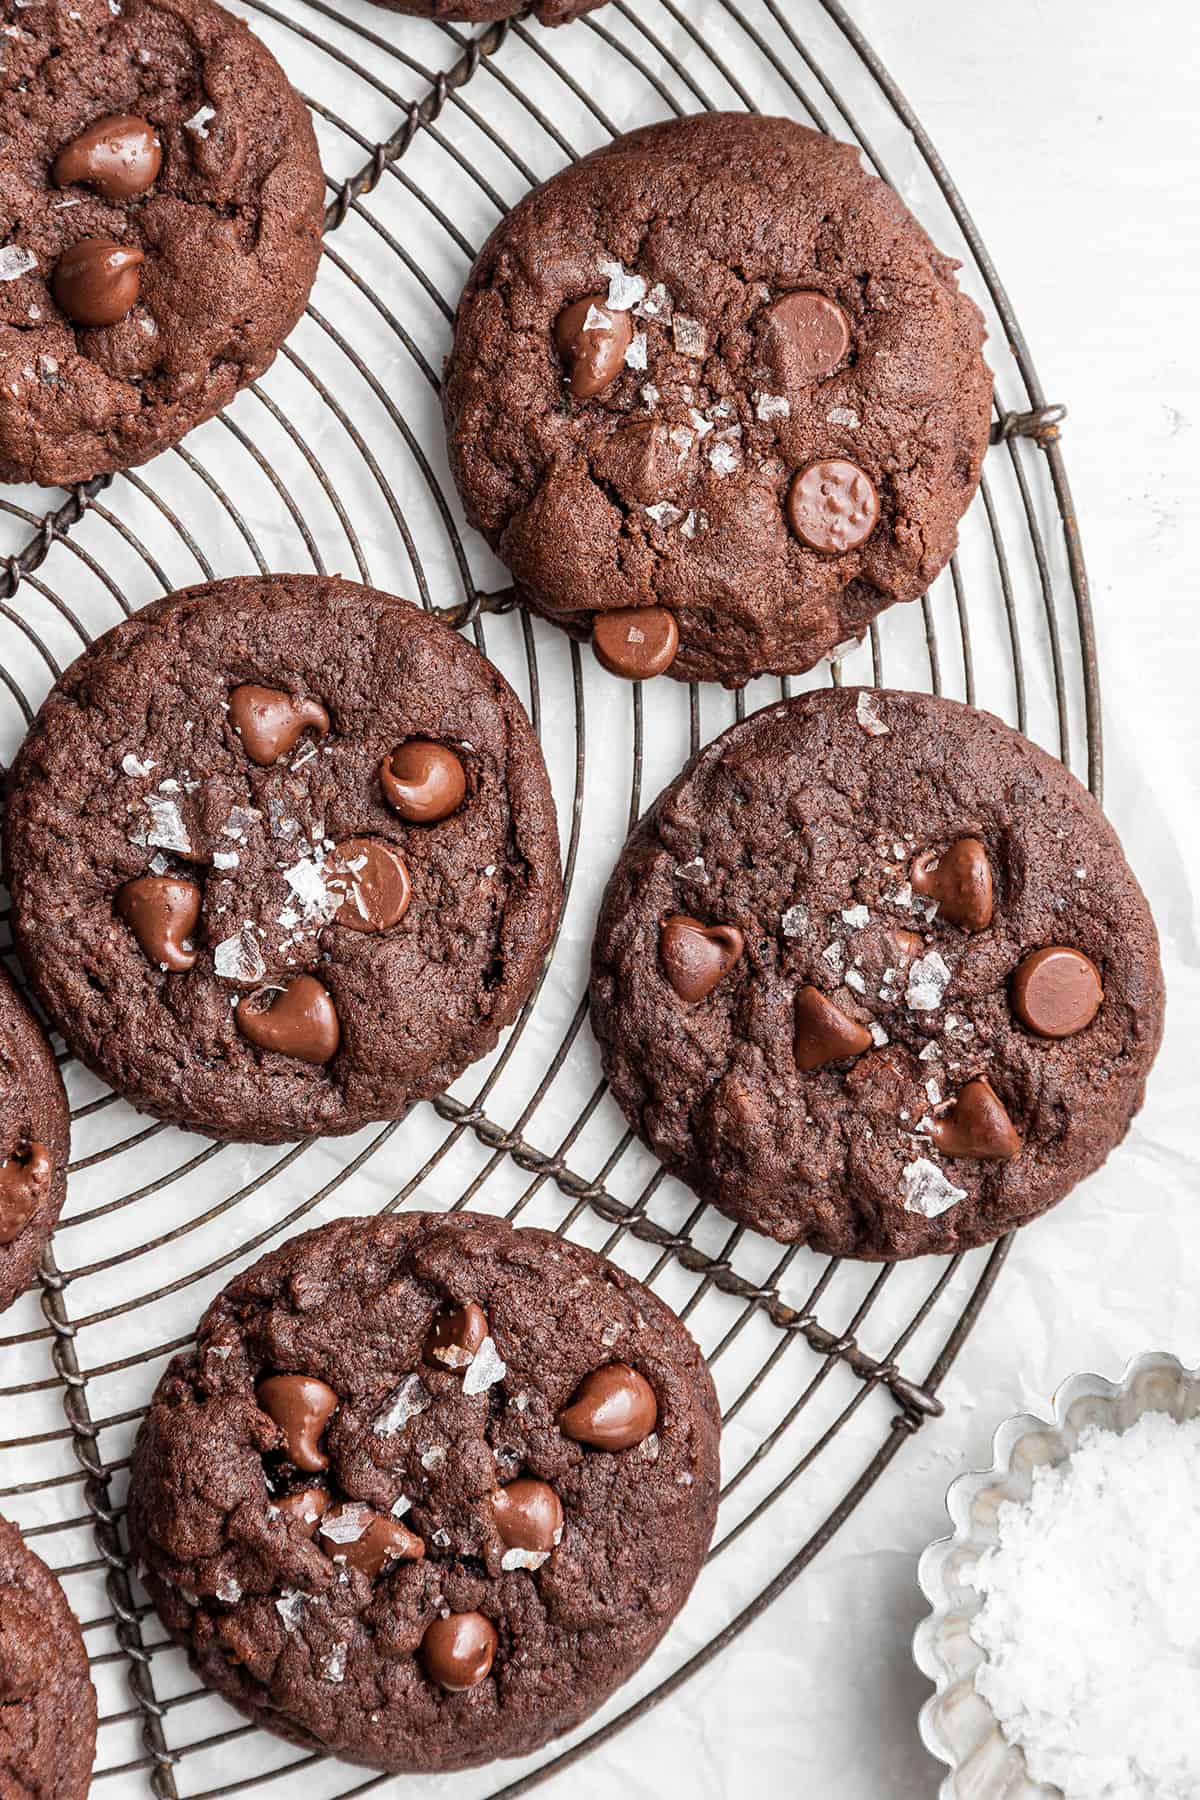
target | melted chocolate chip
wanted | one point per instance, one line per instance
(635, 642)
(24, 1184)
(806, 336)
(119, 157)
(458, 1651)
(375, 879)
(960, 880)
(528, 1515)
(613, 1408)
(423, 782)
(1057, 991)
(96, 281)
(824, 1034)
(270, 722)
(457, 1336)
(592, 340)
(976, 1123)
(162, 911)
(367, 1540)
(832, 506)
(696, 956)
(301, 1406)
(303, 1509)
(301, 1021)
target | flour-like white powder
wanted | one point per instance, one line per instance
(1091, 1617)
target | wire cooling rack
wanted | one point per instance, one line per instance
(335, 462)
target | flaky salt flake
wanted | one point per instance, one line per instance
(199, 120)
(843, 415)
(931, 1052)
(926, 1190)
(239, 822)
(400, 1505)
(409, 1399)
(597, 319)
(928, 980)
(166, 828)
(685, 1478)
(879, 1036)
(624, 290)
(610, 1334)
(703, 426)
(794, 922)
(333, 1666)
(664, 514)
(486, 1369)
(689, 335)
(835, 956)
(523, 1559)
(229, 1590)
(650, 396)
(521, 1402)
(440, 1538)
(696, 870)
(772, 406)
(637, 355)
(724, 458)
(854, 980)
(16, 261)
(856, 916)
(289, 1606)
(239, 958)
(352, 1519)
(225, 859)
(133, 765)
(318, 899)
(867, 716)
(656, 305)
(933, 1092)
(434, 1457)
(695, 522)
(649, 1448)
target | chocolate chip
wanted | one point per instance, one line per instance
(806, 336)
(823, 1033)
(96, 281)
(24, 1184)
(458, 1651)
(374, 877)
(635, 641)
(270, 722)
(422, 781)
(303, 1509)
(367, 1540)
(528, 1515)
(119, 157)
(301, 1406)
(613, 1408)
(1056, 991)
(301, 1021)
(960, 880)
(832, 506)
(457, 1336)
(976, 1123)
(641, 462)
(161, 911)
(696, 956)
(592, 340)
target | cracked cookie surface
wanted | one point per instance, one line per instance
(774, 309)
(35, 1127)
(229, 227)
(873, 974)
(446, 1432)
(47, 1701)
(237, 911)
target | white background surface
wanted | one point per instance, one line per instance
(1069, 128)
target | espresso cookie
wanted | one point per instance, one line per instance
(283, 857)
(874, 975)
(160, 221)
(427, 1489)
(47, 1701)
(716, 381)
(483, 12)
(35, 1130)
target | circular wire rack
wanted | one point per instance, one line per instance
(335, 462)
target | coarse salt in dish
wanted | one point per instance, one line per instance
(1091, 1616)
(1064, 1636)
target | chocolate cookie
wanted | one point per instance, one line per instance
(427, 1489)
(714, 393)
(160, 226)
(47, 1701)
(283, 857)
(483, 12)
(873, 975)
(35, 1130)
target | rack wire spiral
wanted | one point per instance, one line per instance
(334, 461)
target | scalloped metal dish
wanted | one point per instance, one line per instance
(957, 1724)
